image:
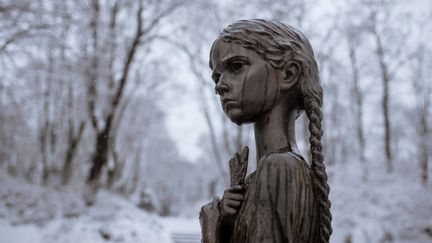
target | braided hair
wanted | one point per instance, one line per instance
(279, 43)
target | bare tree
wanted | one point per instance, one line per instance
(390, 55)
(353, 35)
(385, 78)
(103, 124)
(422, 84)
(74, 136)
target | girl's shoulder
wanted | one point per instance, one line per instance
(283, 169)
(287, 160)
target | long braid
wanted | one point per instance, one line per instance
(314, 113)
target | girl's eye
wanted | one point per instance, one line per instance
(236, 67)
(215, 77)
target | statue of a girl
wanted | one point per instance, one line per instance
(266, 74)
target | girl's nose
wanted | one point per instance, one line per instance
(221, 88)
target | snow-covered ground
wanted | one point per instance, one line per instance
(386, 208)
(394, 208)
(33, 214)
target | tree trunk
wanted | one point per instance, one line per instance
(385, 78)
(46, 129)
(422, 88)
(71, 151)
(103, 134)
(424, 162)
(424, 148)
(358, 96)
(100, 156)
(387, 126)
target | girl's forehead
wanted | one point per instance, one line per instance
(220, 49)
(223, 50)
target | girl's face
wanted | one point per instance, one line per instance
(247, 84)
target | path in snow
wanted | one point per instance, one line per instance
(182, 230)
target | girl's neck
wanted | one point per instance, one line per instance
(275, 132)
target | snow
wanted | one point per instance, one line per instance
(183, 229)
(182, 225)
(19, 234)
(30, 213)
(385, 208)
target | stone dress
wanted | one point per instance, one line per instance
(279, 204)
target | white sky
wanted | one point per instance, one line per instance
(186, 124)
(184, 121)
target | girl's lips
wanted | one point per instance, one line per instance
(229, 104)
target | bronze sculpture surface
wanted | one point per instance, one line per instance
(265, 73)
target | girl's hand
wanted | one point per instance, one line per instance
(231, 203)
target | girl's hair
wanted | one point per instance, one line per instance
(279, 43)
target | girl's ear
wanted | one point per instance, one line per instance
(292, 73)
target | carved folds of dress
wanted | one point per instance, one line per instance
(279, 204)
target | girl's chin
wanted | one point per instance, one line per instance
(237, 116)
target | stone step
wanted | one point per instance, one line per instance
(184, 237)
